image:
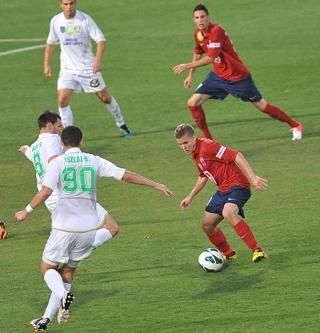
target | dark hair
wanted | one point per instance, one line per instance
(184, 129)
(200, 6)
(47, 117)
(71, 136)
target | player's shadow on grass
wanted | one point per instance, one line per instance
(234, 283)
(86, 296)
(212, 125)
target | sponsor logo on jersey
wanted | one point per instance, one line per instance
(70, 29)
(200, 36)
(94, 83)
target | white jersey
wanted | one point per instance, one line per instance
(74, 36)
(39, 153)
(75, 174)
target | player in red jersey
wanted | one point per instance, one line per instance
(229, 76)
(232, 174)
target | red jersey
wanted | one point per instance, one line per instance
(217, 44)
(217, 163)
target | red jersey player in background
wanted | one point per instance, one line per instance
(232, 174)
(229, 76)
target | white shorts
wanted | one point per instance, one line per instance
(68, 248)
(89, 83)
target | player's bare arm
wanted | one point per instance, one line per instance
(48, 52)
(199, 185)
(258, 182)
(134, 178)
(97, 65)
(37, 200)
(188, 80)
(206, 60)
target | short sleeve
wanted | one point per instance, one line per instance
(108, 169)
(197, 47)
(52, 175)
(215, 150)
(53, 38)
(94, 32)
(28, 154)
(54, 147)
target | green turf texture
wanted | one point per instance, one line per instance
(147, 279)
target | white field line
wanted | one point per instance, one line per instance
(14, 40)
(24, 49)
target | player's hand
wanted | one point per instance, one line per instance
(184, 204)
(21, 216)
(47, 71)
(180, 68)
(163, 188)
(187, 82)
(96, 67)
(260, 183)
(23, 149)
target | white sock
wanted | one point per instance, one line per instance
(66, 116)
(114, 109)
(54, 303)
(52, 307)
(102, 236)
(54, 282)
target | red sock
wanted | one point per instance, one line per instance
(245, 233)
(200, 119)
(219, 240)
(274, 112)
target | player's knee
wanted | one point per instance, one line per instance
(192, 103)
(67, 276)
(63, 102)
(114, 229)
(111, 225)
(104, 97)
(230, 212)
(207, 227)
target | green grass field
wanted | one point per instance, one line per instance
(147, 279)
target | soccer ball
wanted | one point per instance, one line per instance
(211, 260)
(3, 232)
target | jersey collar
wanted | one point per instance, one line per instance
(73, 150)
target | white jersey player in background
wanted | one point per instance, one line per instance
(80, 69)
(74, 218)
(44, 149)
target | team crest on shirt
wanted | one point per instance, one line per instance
(200, 36)
(94, 83)
(62, 29)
